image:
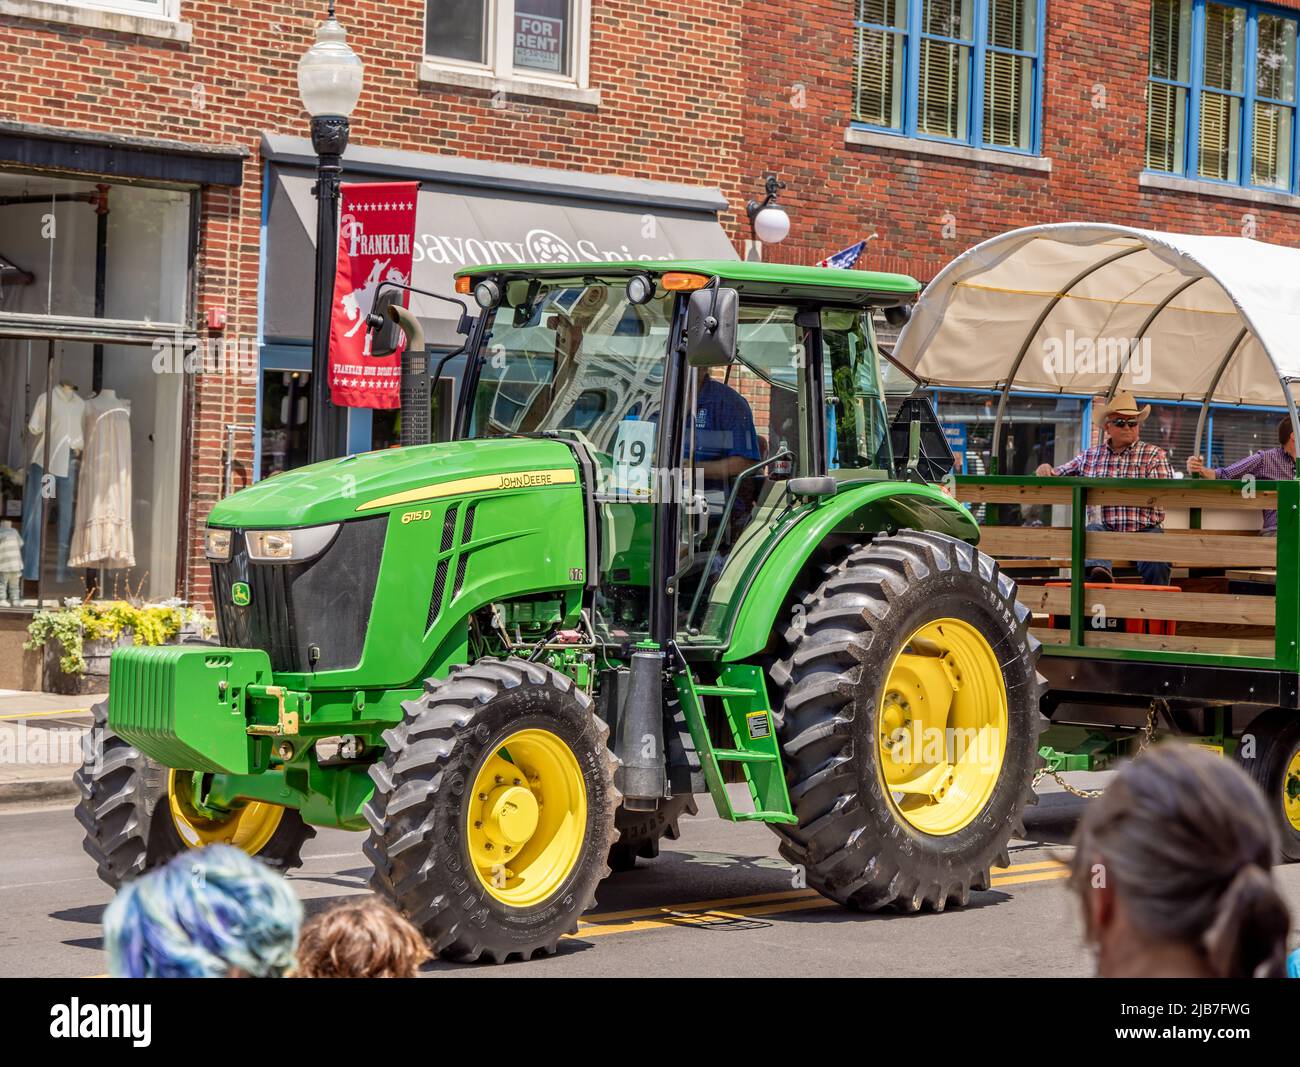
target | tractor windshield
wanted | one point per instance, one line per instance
(576, 355)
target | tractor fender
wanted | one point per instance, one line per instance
(867, 509)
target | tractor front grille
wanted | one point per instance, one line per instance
(308, 616)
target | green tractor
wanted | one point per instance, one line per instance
(675, 542)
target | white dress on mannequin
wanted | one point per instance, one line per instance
(103, 537)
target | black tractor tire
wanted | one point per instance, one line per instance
(852, 842)
(1274, 739)
(639, 832)
(125, 814)
(419, 809)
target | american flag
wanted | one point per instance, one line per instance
(846, 258)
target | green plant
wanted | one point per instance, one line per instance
(78, 622)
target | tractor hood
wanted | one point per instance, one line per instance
(374, 482)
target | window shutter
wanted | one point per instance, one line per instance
(1004, 75)
(877, 73)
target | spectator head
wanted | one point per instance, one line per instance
(1286, 435)
(1121, 418)
(360, 939)
(1173, 866)
(209, 913)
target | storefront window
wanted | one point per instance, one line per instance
(1236, 434)
(286, 411)
(1173, 428)
(90, 426)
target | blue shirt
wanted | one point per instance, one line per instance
(724, 424)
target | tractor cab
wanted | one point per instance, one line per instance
(723, 397)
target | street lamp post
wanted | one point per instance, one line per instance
(329, 83)
(770, 223)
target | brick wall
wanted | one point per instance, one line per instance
(671, 110)
(927, 209)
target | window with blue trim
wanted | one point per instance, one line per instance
(955, 70)
(1221, 93)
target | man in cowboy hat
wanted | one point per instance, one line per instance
(1121, 455)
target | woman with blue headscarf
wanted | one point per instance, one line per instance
(209, 913)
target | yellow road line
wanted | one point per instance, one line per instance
(761, 898)
(742, 908)
(45, 714)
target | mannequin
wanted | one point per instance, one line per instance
(61, 453)
(103, 537)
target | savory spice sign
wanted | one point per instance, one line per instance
(376, 237)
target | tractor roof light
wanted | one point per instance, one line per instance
(676, 281)
(487, 294)
(464, 284)
(640, 289)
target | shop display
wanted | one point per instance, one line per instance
(103, 536)
(57, 457)
(11, 564)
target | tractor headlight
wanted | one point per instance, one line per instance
(289, 546)
(216, 544)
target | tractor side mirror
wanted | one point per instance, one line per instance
(385, 331)
(711, 318)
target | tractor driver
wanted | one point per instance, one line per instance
(725, 440)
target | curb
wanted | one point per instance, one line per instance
(38, 790)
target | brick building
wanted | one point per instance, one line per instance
(935, 124)
(155, 184)
(155, 187)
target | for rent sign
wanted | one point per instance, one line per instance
(539, 42)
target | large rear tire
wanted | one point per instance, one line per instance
(137, 814)
(910, 634)
(493, 810)
(1274, 765)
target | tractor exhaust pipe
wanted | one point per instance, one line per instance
(415, 379)
(641, 734)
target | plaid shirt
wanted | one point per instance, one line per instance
(1271, 465)
(1139, 460)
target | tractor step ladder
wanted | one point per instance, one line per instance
(743, 693)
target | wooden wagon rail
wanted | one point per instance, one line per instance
(1211, 624)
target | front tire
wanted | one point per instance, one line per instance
(137, 815)
(910, 634)
(493, 810)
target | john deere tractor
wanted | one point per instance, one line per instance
(678, 540)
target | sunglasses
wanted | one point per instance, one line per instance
(1124, 423)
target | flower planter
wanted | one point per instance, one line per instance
(94, 679)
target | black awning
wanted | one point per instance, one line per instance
(513, 215)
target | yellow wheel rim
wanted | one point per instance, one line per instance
(1291, 791)
(941, 728)
(249, 827)
(527, 817)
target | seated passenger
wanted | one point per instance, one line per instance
(1271, 465)
(1121, 455)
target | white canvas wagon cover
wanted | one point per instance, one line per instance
(1091, 308)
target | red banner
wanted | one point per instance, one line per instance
(376, 231)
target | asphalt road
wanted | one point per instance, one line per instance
(718, 902)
